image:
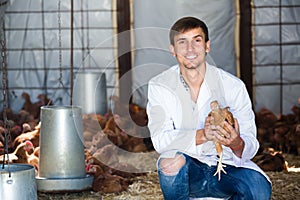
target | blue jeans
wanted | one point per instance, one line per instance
(196, 179)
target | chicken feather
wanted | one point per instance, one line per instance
(220, 115)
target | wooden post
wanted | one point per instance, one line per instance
(124, 49)
(245, 45)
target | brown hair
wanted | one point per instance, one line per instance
(185, 24)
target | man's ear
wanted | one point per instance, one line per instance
(207, 49)
(172, 50)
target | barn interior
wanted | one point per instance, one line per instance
(78, 72)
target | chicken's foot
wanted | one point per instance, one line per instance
(220, 166)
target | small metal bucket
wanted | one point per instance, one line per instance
(17, 181)
(90, 92)
(61, 142)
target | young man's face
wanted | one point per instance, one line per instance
(190, 48)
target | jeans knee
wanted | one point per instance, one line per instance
(171, 166)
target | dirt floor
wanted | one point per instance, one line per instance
(286, 186)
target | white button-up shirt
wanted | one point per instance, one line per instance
(174, 117)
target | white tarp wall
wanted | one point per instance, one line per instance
(276, 54)
(33, 46)
(152, 21)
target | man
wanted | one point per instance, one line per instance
(181, 132)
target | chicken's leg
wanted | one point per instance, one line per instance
(220, 165)
(220, 115)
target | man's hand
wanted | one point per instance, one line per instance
(230, 137)
(210, 131)
(227, 136)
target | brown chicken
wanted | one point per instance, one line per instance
(33, 158)
(32, 108)
(265, 118)
(24, 116)
(10, 133)
(292, 141)
(104, 180)
(125, 170)
(138, 114)
(32, 136)
(108, 183)
(271, 160)
(94, 170)
(44, 100)
(107, 154)
(19, 155)
(26, 128)
(94, 122)
(92, 161)
(130, 114)
(111, 124)
(279, 137)
(220, 115)
(99, 140)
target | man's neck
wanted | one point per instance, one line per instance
(194, 79)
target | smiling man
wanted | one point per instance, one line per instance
(182, 133)
(190, 48)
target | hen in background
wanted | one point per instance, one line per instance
(20, 155)
(32, 108)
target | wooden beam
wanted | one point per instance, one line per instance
(246, 45)
(124, 49)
